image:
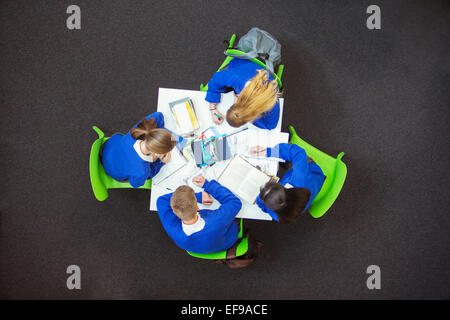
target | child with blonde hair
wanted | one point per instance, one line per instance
(257, 95)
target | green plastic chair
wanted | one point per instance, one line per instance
(231, 50)
(100, 181)
(334, 169)
(240, 250)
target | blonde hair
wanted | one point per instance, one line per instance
(184, 203)
(260, 95)
(157, 140)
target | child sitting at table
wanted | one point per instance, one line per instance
(295, 192)
(257, 93)
(200, 231)
(139, 154)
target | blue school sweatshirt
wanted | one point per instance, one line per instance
(219, 232)
(121, 161)
(236, 76)
(303, 174)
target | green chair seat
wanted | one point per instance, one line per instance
(100, 181)
(240, 250)
(334, 169)
(231, 50)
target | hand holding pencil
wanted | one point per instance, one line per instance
(216, 116)
(258, 151)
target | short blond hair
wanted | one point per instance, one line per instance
(184, 203)
(260, 95)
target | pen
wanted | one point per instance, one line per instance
(240, 130)
(220, 118)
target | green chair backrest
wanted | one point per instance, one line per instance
(100, 180)
(240, 250)
(227, 60)
(334, 169)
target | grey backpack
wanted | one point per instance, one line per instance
(261, 45)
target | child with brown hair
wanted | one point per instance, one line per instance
(200, 231)
(139, 154)
(287, 200)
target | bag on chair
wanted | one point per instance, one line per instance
(261, 45)
(233, 262)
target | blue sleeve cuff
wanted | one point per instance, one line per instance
(213, 97)
(273, 152)
(198, 196)
(206, 185)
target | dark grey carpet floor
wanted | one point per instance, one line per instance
(380, 96)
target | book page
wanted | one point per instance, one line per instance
(244, 180)
(250, 187)
(176, 162)
(234, 174)
(184, 119)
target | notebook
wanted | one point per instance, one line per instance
(184, 114)
(244, 179)
(177, 161)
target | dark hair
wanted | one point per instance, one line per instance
(287, 203)
(157, 140)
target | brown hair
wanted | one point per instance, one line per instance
(260, 95)
(157, 140)
(184, 203)
(287, 203)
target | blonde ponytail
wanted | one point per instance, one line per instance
(259, 96)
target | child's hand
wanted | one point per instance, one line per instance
(207, 200)
(216, 116)
(258, 151)
(166, 158)
(199, 181)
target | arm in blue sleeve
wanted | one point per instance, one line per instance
(219, 81)
(293, 153)
(165, 212)
(270, 119)
(155, 167)
(137, 182)
(263, 207)
(159, 118)
(289, 152)
(230, 204)
(198, 196)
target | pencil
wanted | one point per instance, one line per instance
(220, 118)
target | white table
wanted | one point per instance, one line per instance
(166, 95)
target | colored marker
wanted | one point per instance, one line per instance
(220, 118)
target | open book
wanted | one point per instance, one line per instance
(244, 179)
